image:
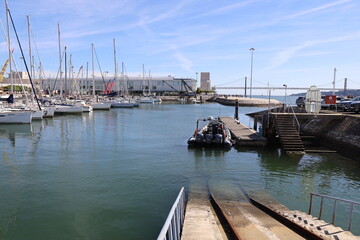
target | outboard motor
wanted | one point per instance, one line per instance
(218, 138)
(199, 138)
(208, 138)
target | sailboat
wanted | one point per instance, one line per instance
(96, 104)
(120, 102)
(13, 113)
(9, 115)
(60, 106)
(147, 98)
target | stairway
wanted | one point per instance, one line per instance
(289, 136)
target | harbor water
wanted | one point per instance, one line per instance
(115, 174)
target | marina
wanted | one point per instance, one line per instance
(96, 181)
(100, 144)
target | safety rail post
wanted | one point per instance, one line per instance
(333, 216)
(310, 205)
(352, 203)
(350, 218)
(321, 205)
(174, 222)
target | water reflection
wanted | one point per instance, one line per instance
(207, 152)
(138, 159)
(11, 131)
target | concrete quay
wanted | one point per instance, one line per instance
(245, 101)
(336, 131)
(200, 222)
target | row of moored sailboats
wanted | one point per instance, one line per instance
(18, 112)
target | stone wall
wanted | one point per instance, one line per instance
(338, 132)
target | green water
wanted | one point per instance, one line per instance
(115, 174)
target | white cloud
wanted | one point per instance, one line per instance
(174, 11)
(317, 9)
(227, 8)
(284, 56)
(185, 63)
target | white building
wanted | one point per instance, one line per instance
(132, 85)
(205, 82)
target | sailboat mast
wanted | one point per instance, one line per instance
(115, 66)
(30, 55)
(65, 67)
(71, 76)
(123, 78)
(60, 62)
(87, 75)
(9, 45)
(149, 82)
(33, 74)
(93, 73)
(143, 79)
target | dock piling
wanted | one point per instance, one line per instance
(236, 109)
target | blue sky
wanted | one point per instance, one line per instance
(297, 43)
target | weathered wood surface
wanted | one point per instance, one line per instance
(243, 135)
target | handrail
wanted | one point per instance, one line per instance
(174, 222)
(294, 117)
(334, 208)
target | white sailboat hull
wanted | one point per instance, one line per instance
(37, 115)
(87, 108)
(49, 112)
(122, 104)
(15, 117)
(149, 100)
(63, 109)
(101, 106)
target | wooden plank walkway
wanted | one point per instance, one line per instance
(243, 135)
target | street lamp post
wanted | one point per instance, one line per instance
(251, 70)
(334, 81)
(284, 85)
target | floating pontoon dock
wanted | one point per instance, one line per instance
(243, 135)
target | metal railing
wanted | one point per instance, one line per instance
(295, 120)
(352, 203)
(174, 222)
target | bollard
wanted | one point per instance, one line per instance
(236, 109)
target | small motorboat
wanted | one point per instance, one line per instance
(213, 134)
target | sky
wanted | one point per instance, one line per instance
(296, 42)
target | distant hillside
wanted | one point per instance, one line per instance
(338, 93)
